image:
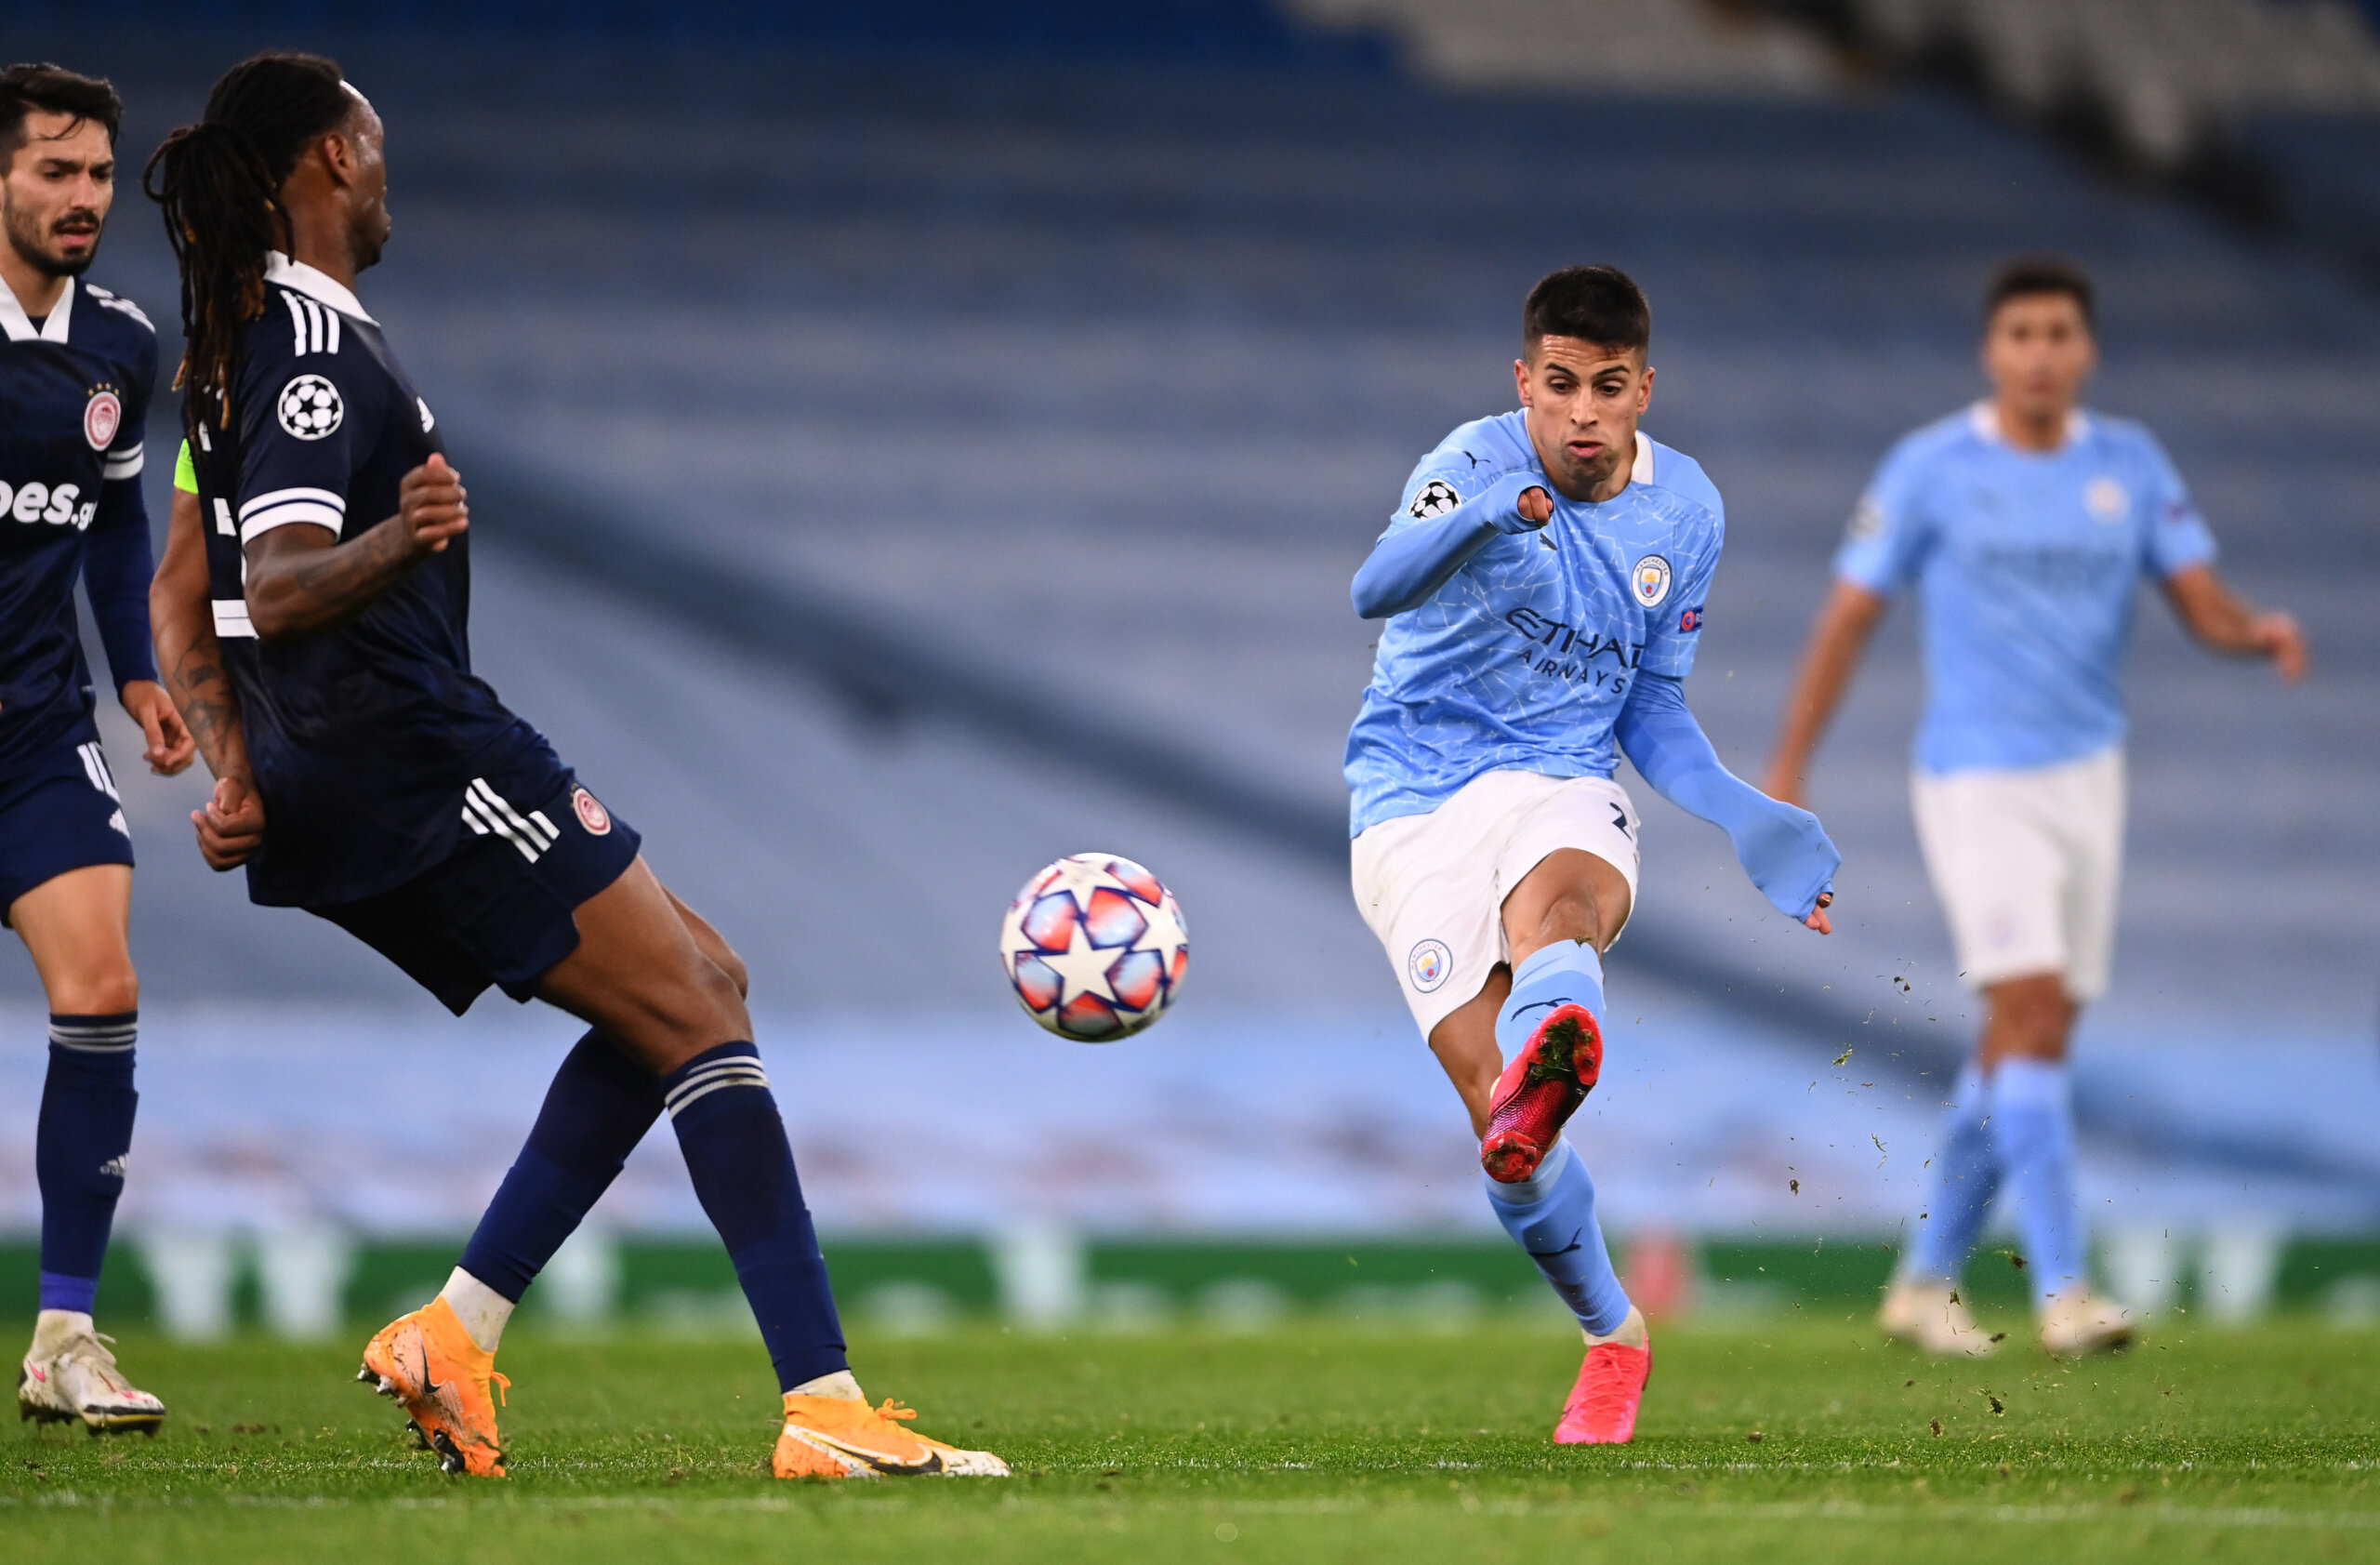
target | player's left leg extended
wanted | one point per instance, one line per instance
(1556, 920)
(639, 977)
(76, 926)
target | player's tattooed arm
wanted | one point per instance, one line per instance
(302, 579)
(190, 660)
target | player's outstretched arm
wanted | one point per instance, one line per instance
(230, 828)
(2211, 611)
(1781, 846)
(1413, 562)
(302, 579)
(116, 573)
(1850, 616)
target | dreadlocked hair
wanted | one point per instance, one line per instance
(219, 184)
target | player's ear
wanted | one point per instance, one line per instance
(338, 154)
(1645, 391)
(1520, 379)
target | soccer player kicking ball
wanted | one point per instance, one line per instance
(2025, 524)
(76, 366)
(311, 616)
(1543, 582)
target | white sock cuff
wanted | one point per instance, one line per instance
(2026, 1084)
(1537, 1185)
(481, 1308)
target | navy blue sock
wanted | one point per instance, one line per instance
(597, 1109)
(79, 1150)
(741, 1165)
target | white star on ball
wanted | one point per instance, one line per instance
(1081, 968)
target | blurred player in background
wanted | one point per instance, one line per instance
(311, 617)
(76, 369)
(1544, 580)
(2025, 524)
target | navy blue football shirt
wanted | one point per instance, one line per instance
(362, 736)
(74, 391)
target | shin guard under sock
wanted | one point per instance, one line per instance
(1552, 1215)
(1567, 972)
(1964, 1177)
(2032, 1135)
(600, 1104)
(741, 1165)
(80, 1148)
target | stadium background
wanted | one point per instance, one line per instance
(911, 442)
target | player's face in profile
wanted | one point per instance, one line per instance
(2038, 353)
(369, 197)
(56, 196)
(1583, 401)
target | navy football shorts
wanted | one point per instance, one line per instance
(58, 811)
(498, 909)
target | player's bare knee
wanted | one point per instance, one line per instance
(724, 958)
(106, 991)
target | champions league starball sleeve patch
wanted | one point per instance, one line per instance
(310, 408)
(1436, 497)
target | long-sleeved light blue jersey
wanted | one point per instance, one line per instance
(1521, 658)
(2026, 565)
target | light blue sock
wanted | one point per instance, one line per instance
(2032, 1132)
(1567, 972)
(1964, 1177)
(1552, 1217)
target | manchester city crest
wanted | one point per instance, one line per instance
(1429, 965)
(1650, 580)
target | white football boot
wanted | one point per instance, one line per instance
(2078, 1323)
(71, 1374)
(1929, 1315)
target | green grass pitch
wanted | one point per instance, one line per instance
(1780, 1442)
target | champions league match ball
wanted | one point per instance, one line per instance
(1095, 947)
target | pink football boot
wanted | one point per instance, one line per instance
(1540, 1091)
(1602, 1410)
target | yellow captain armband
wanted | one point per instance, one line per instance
(185, 472)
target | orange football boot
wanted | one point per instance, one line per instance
(838, 1438)
(429, 1363)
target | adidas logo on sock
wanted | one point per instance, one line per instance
(114, 1167)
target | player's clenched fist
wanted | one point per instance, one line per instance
(230, 826)
(431, 505)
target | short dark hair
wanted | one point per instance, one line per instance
(56, 90)
(2019, 276)
(1597, 304)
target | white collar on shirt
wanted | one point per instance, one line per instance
(319, 286)
(1985, 420)
(20, 325)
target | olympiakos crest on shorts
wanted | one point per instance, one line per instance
(591, 814)
(102, 416)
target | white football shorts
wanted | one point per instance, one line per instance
(2027, 864)
(1432, 886)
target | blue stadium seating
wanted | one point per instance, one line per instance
(1094, 379)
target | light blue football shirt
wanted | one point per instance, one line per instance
(1522, 660)
(2027, 564)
